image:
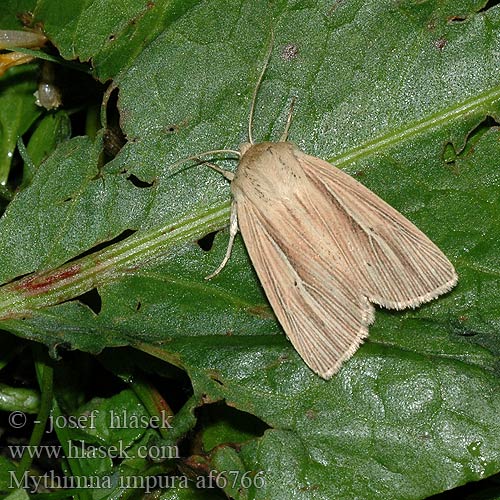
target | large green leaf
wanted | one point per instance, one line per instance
(403, 95)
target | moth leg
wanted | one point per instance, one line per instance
(233, 231)
(226, 173)
(284, 136)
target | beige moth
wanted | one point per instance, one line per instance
(326, 249)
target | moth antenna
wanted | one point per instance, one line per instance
(257, 87)
(284, 136)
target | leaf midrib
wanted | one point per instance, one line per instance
(480, 103)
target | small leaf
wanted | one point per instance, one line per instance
(18, 111)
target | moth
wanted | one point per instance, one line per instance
(325, 247)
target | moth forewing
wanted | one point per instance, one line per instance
(397, 265)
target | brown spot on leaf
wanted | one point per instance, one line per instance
(440, 43)
(260, 311)
(289, 52)
(311, 414)
(334, 7)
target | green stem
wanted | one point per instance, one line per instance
(45, 377)
(20, 298)
(76, 465)
(480, 104)
(154, 403)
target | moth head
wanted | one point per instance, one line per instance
(244, 147)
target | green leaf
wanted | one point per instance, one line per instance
(180, 492)
(15, 398)
(52, 129)
(18, 494)
(7, 468)
(402, 95)
(118, 419)
(18, 111)
(12, 12)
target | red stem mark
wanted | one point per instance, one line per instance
(40, 283)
